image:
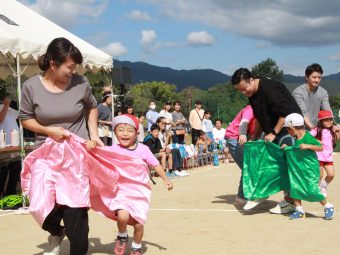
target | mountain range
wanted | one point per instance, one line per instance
(206, 78)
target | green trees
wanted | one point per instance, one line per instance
(142, 93)
(267, 68)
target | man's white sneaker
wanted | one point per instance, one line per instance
(252, 203)
(54, 244)
(283, 207)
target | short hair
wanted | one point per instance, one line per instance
(207, 112)
(241, 74)
(176, 102)
(313, 68)
(159, 119)
(218, 120)
(201, 132)
(154, 127)
(143, 114)
(152, 101)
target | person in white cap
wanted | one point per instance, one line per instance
(295, 125)
(131, 204)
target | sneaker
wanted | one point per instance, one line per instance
(170, 175)
(252, 203)
(329, 213)
(135, 251)
(178, 173)
(240, 201)
(120, 245)
(54, 243)
(323, 191)
(184, 173)
(296, 215)
(283, 207)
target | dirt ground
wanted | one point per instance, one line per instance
(199, 217)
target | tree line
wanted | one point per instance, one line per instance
(222, 99)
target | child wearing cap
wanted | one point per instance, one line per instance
(325, 133)
(132, 200)
(295, 125)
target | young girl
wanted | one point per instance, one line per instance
(207, 125)
(325, 134)
(131, 203)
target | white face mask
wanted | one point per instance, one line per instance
(152, 107)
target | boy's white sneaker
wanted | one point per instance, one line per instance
(54, 243)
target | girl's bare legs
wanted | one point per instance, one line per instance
(138, 233)
(122, 220)
(330, 173)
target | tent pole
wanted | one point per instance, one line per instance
(21, 133)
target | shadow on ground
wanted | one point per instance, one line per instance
(97, 247)
(230, 199)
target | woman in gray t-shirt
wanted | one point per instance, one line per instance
(51, 103)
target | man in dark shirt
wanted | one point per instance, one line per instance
(271, 102)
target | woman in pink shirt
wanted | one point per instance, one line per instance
(238, 132)
(325, 134)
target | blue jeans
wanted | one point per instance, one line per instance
(236, 151)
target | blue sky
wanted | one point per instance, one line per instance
(218, 34)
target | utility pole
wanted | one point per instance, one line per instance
(189, 99)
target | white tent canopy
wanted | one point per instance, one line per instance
(26, 34)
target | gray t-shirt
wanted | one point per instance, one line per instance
(104, 112)
(65, 109)
(311, 102)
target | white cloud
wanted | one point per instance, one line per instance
(115, 49)
(335, 57)
(138, 15)
(68, 12)
(201, 38)
(284, 23)
(148, 37)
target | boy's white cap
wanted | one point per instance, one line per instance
(294, 120)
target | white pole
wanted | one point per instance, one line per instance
(21, 131)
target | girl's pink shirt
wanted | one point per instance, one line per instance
(327, 154)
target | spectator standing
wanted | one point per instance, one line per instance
(195, 119)
(105, 119)
(311, 97)
(141, 134)
(151, 115)
(167, 115)
(207, 125)
(180, 122)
